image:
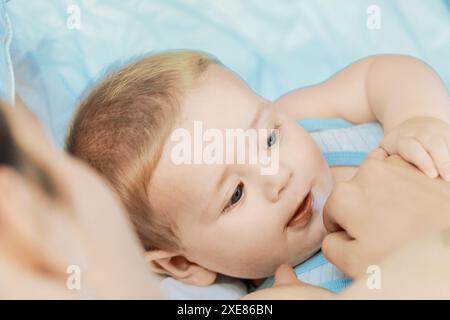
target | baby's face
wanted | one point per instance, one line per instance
(230, 218)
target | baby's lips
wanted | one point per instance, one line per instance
(303, 213)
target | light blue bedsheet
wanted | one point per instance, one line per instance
(275, 46)
(6, 71)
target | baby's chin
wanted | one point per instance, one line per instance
(314, 246)
(316, 235)
(257, 279)
(307, 253)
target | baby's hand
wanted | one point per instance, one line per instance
(423, 141)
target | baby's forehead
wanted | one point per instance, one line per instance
(184, 187)
(186, 178)
(220, 100)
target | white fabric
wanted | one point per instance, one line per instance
(364, 137)
(225, 288)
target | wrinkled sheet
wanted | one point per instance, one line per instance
(274, 46)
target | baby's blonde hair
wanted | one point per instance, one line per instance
(121, 127)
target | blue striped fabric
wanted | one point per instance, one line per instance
(311, 125)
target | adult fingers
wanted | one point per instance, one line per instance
(285, 275)
(340, 249)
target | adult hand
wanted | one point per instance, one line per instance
(386, 204)
(417, 271)
(287, 286)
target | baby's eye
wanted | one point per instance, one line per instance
(236, 196)
(272, 138)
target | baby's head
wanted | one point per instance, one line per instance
(197, 220)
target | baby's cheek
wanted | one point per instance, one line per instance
(251, 253)
(299, 140)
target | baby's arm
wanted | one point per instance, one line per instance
(386, 88)
(404, 94)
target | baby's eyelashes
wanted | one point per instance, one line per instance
(235, 197)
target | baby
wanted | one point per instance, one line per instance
(198, 220)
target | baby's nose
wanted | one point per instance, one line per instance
(280, 182)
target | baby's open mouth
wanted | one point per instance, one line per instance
(303, 212)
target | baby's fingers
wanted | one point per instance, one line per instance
(413, 151)
(438, 149)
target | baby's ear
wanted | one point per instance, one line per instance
(178, 267)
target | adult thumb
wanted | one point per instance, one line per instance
(285, 275)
